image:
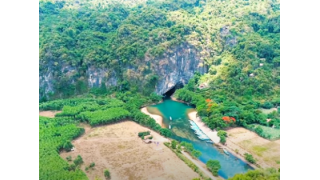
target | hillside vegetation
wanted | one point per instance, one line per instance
(233, 38)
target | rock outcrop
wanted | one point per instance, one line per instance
(177, 65)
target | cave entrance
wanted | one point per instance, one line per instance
(169, 93)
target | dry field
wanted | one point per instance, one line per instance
(118, 148)
(265, 151)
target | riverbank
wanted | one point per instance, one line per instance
(213, 135)
(157, 118)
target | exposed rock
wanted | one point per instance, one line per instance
(97, 76)
(177, 65)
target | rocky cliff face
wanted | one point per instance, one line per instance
(175, 66)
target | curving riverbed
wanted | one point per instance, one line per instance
(180, 126)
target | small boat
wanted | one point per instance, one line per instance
(170, 118)
(225, 151)
(169, 126)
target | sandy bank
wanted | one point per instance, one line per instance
(157, 118)
(213, 135)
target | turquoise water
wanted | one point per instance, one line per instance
(180, 126)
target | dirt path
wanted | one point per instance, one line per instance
(213, 135)
(50, 114)
(118, 148)
(197, 163)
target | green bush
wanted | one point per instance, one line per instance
(249, 158)
(92, 165)
(106, 173)
(173, 144)
(213, 166)
(69, 158)
(78, 160)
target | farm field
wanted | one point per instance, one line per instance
(265, 151)
(118, 148)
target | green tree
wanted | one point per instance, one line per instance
(213, 166)
(196, 153)
(173, 144)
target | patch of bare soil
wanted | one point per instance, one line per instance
(118, 148)
(49, 114)
(265, 151)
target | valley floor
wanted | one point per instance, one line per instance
(118, 148)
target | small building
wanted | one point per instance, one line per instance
(251, 75)
(261, 64)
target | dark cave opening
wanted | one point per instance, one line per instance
(171, 91)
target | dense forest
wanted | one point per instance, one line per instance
(233, 38)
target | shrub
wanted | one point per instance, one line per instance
(173, 144)
(67, 146)
(78, 160)
(222, 134)
(92, 165)
(107, 173)
(249, 158)
(72, 167)
(69, 158)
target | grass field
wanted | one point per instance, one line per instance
(269, 132)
